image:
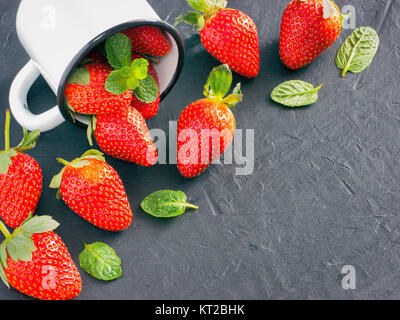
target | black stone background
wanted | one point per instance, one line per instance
(324, 192)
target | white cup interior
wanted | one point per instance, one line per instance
(168, 67)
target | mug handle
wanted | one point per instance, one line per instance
(18, 102)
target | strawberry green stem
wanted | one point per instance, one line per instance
(4, 230)
(64, 162)
(7, 130)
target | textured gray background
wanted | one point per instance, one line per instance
(324, 192)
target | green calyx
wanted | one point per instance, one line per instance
(218, 84)
(127, 74)
(19, 245)
(28, 142)
(204, 10)
(76, 163)
(91, 128)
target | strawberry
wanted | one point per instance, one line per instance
(308, 28)
(148, 110)
(94, 190)
(206, 127)
(228, 35)
(85, 92)
(148, 40)
(124, 135)
(35, 261)
(20, 179)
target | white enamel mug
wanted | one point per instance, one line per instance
(58, 34)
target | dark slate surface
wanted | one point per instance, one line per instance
(324, 192)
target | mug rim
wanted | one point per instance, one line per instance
(100, 38)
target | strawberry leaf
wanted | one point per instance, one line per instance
(200, 5)
(90, 129)
(193, 18)
(3, 275)
(56, 180)
(119, 51)
(29, 140)
(80, 76)
(147, 91)
(39, 224)
(100, 261)
(219, 82)
(20, 246)
(93, 154)
(79, 164)
(3, 254)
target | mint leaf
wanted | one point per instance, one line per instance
(100, 261)
(119, 51)
(116, 83)
(166, 204)
(147, 90)
(295, 93)
(139, 68)
(358, 50)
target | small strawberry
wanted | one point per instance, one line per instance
(35, 261)
(148, 40)
(206, 127)
(148, 110)
(228, 35)
(94, 190)
(124, 135)
(308, 28)
(20, 178)
(85, 92)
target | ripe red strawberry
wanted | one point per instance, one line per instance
(148, 40)
(85, 92)
(124, 135)
(94, 190)
(35, 261)
(20, 179)
(228, 35)
(148, 110)
(206, 127)
(308, 28)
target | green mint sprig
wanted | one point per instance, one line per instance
(128, 74)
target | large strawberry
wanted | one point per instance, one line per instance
(20, 178)
(94, 190)
(124, 135)
(35, 261)
(308, 28)
(227, 34)
(148, 40)
(148, 110)
(206, 127)
(85, 92)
